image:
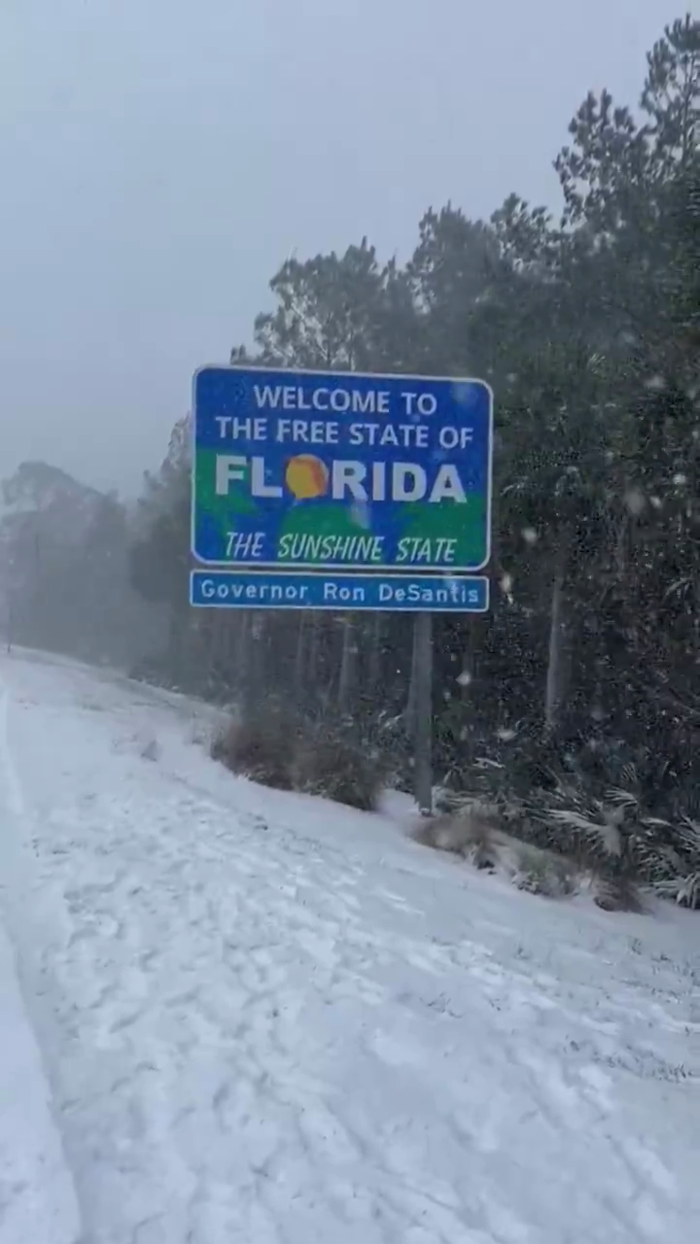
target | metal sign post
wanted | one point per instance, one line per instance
(423, 722)
(343, 491)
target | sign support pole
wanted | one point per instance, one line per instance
(423, 712)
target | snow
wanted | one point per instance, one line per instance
(37, 1197)
(266, 1019)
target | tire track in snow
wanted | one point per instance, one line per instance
(14, 795)
(38, 1198)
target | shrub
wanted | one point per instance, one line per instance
(617, 894)
(685, 890)
(604, 818)
(468, 831)
(543, 872)
(262, 747)
(472, 830)
(274, 746)
(335, 764)
(152, 670)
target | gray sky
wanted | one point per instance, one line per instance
(160, 158)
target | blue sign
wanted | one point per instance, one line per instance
(337, 471)
(255, 589)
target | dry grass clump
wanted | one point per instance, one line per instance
(261, 747)
(274, 747)
(475, 834)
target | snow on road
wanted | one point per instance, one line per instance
(37, 1197)
(270, 1020)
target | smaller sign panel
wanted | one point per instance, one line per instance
(231, 589)
(338, 471)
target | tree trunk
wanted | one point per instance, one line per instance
(312, 669)
(175, 642)
(374, 667)
(411, 699)
(423, 711)
(555, 664)
(299, 656)
(246, 662)
(348, 663)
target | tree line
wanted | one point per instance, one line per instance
(577, 699)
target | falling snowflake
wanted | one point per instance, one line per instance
(507, 587)
(463, 394)
(529, 535)
(635, 501)
(680, 479)
(655, 382)
(360, 514)
(464, 679)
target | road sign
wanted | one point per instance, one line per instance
(408, 593)
(338, 471)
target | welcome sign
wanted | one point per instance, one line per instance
(340, 471)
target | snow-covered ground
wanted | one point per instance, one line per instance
(260, 1018)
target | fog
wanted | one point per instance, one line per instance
(161, 158)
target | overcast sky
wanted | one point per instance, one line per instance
(160, 158)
